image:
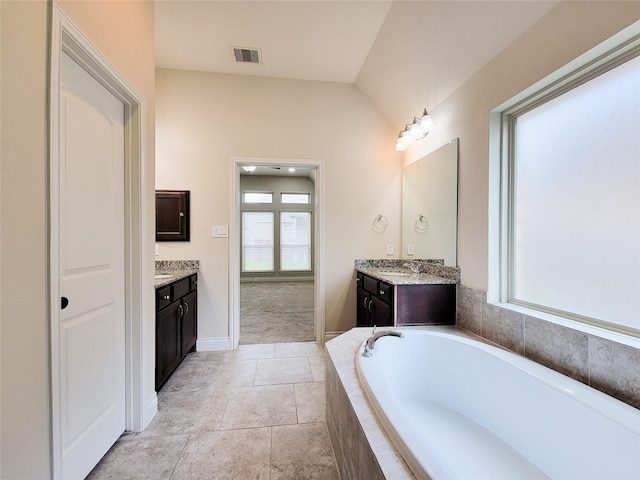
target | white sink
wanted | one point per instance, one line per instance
(391, 272)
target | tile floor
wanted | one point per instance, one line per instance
(254, 413)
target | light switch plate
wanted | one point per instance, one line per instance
(409, 248)
(219, 231)
(389, 248)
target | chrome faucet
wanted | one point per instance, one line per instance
(371, 341)
(414, 267)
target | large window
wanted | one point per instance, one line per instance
(277, 226)
(257, 241)
(295, 241)
(571, 197)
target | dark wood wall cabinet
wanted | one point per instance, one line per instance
(176, 325)
(172, 215)
(382, 304)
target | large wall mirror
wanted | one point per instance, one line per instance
(430, 206)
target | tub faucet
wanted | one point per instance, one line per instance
(371, 341)
(412, 266)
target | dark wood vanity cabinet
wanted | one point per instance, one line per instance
(375, 302)
(176, 325)
(383, 304)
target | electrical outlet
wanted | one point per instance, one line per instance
(410, 249)
(389, 248)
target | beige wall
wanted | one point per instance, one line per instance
(123, 31)
(204, 120)
(567, 31)
(24, 335)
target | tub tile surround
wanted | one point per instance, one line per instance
(608, 366)
(429, 266)
(361, 446)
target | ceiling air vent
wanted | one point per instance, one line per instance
(247, 55)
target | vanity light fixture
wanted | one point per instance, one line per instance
(415, 131)
(249, 168)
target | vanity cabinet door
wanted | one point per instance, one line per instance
(374, 303)
(168, 353)
(382, 313)
(172, 216)
(189, 323)
(363, 312)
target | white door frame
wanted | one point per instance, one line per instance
(68, 38)
(234, 242)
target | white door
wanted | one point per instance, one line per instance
(92, 324)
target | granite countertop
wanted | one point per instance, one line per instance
(169, 271)
(409, 278)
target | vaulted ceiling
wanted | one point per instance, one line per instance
(404, 54)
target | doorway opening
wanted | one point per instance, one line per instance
(276, 251)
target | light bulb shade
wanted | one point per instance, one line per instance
(401, 146)
(426, 123)
(415, 131)
(249, 168)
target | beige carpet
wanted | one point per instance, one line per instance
(276, 312)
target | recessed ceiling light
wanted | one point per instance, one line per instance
(250, 168)
(292, 169)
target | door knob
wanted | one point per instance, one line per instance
(64, 301)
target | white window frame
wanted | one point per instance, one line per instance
(611, 53)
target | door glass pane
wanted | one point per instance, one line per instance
(257, 241)
(295, 241)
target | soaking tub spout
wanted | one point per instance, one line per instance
(371, 341)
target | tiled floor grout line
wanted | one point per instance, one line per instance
(179, 456)
(304, 397)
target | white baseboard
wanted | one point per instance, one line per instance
(150, 410)
(213, 344)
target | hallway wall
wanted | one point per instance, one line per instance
(123, 31)
(206, 119)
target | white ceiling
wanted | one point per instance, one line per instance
(305, 40)
(404, 55)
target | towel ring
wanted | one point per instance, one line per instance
(422, 224)
(380, 223)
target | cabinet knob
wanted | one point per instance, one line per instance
(166, 297)
(381, 292)
(64, 301)
(181, 214)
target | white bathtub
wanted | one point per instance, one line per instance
(459, 408)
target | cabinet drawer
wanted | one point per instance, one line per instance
(181, 287)
(163, 297)
(385, 291)
(193, 283)
(370, 284)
